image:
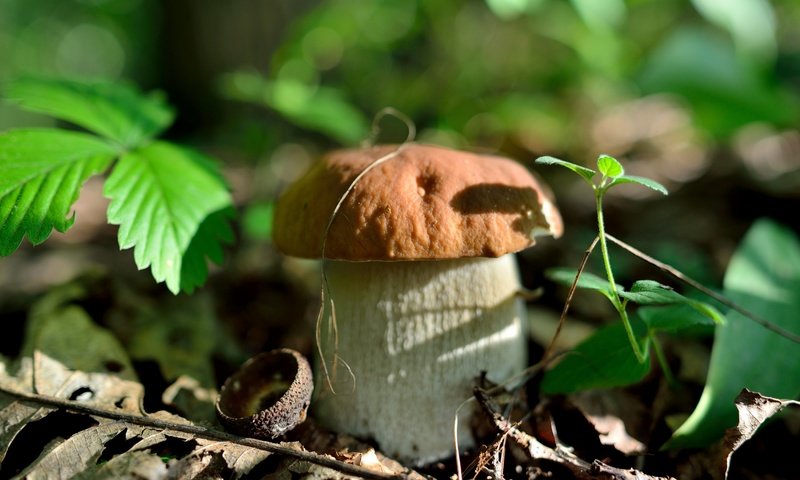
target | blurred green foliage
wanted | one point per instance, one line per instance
(528, 75)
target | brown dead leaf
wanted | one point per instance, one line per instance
(613, 413)
(127, 465)
(67, 356)
(754, 409)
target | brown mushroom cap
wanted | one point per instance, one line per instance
(425, 202)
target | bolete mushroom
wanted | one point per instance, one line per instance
(424, 284)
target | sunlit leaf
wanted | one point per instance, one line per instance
(113, 110)
(652, 184)
(609, 166)
(42, 173)
(649, 292)
(676, 318)
(160, 196)
(764, 277)
(206, 245)
(586, 173)
(587, 280)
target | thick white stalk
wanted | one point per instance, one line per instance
(415, 335)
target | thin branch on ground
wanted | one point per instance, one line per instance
(204, 432)
(536, 450)
(680, 276)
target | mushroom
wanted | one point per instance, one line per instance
(420, 269)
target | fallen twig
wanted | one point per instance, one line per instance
(536, 450)
(563, 318)
(204, 432)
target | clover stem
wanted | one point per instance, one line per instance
(620, 307)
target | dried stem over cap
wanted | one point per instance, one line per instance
(425, 203)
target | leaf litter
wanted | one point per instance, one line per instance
(70, 363)
(99, 373)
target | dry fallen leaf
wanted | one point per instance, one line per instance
(754, 409)
(75, 394)
(612, 413)
(67, 356)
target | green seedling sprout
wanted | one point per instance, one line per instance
(603, 360)
(646, 292)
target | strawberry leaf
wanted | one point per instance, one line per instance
(206, 244)
(160, 196)
(115, 111)
(43, 171)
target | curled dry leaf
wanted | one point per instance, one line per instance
(754, 409)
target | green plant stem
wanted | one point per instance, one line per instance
(662, 361)
(618, 304)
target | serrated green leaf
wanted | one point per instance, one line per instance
(112, 110)
(652, 184)
(609, 166)
(587, 280)
(160, 196)
(649, 292)
(763, 277)
(42, 173)
(206, 245)
(586, 173)
(603, 360)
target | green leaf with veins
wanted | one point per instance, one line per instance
(586, 173)
(676, 318)
(42, 173)
(589, 281)
(603, 360)
(112, 110)
(160, 196)
(646, 182)
(649, 292)
(206, 245)
(609, 166)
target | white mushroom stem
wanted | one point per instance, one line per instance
(415, 335)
